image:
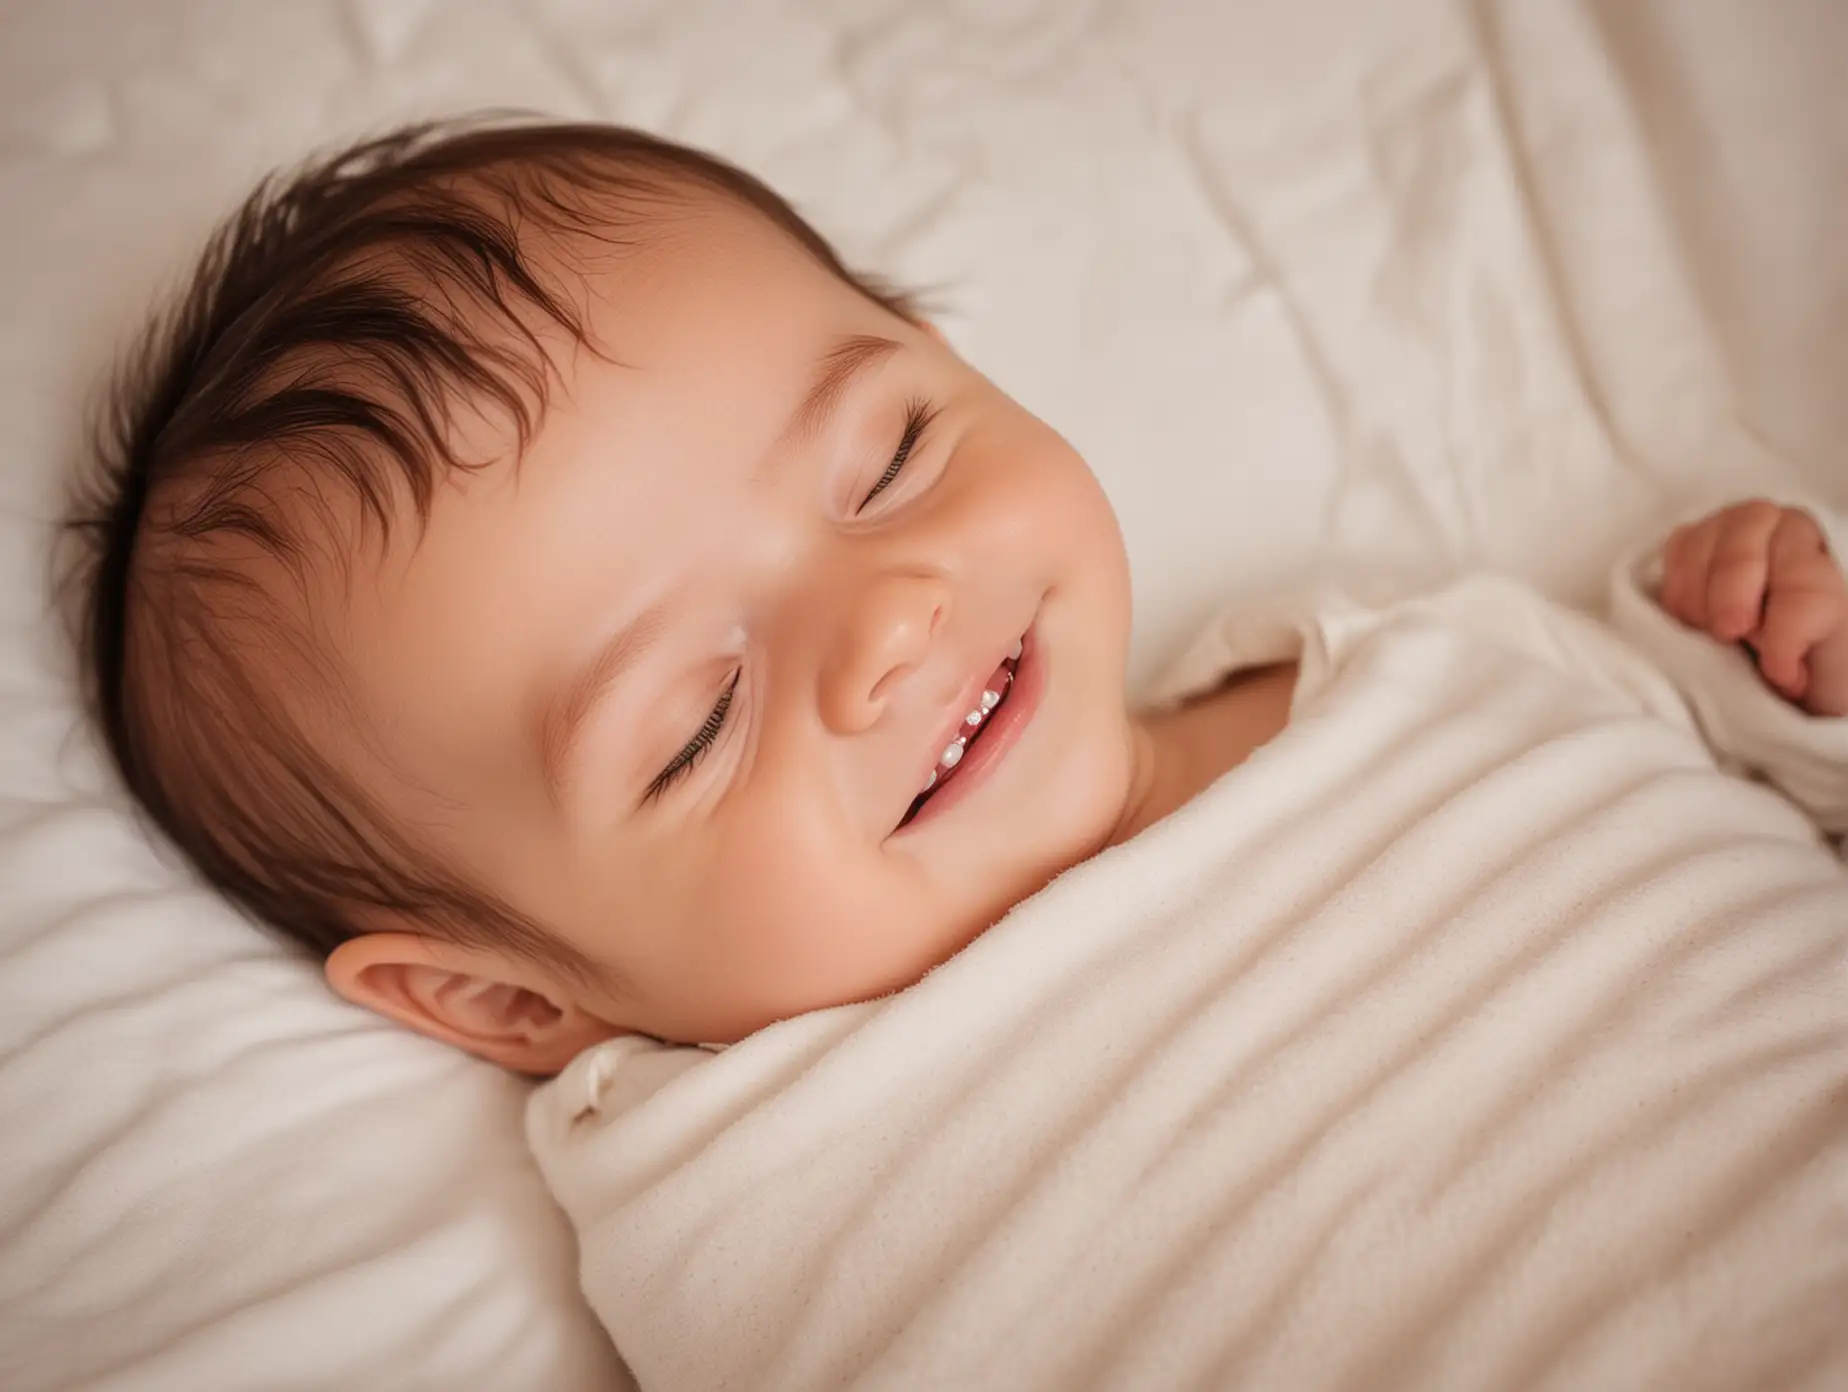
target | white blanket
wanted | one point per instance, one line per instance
(1477, 1032)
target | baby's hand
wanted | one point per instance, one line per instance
(1760, 574)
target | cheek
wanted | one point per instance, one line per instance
(791, 917)
(1051, 504)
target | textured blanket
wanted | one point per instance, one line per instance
(1479, 1031)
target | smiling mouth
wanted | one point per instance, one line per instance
(976, 720)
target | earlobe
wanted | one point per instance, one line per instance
(480, 1001)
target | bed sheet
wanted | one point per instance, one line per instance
(1383, 291)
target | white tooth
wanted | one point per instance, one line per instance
(952, 756)
(990, 699)
(1015, 651)
(930, 782)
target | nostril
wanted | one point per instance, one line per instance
(890, 626)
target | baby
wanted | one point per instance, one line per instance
(537, 575)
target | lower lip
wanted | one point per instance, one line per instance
(999, 735)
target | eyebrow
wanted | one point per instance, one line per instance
(840, 365)
(566, 714)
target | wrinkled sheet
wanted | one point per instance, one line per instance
(1377, 292)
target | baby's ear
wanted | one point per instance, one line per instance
(489, 1003)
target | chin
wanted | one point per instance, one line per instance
(1074, 818)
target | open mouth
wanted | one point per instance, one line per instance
(975, 722)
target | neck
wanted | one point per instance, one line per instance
(1181, 753)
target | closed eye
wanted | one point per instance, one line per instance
(918, 416)
(682, 763)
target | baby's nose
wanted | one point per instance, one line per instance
(887, 633)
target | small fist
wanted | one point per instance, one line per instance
(1761, 575)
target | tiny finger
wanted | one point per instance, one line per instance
(1685, 572)
(1796, 620)
(1797, 540)
(1740, 569)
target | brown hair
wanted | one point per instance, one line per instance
(330, 333)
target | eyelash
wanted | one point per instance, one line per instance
(918, 416)
(682, 763)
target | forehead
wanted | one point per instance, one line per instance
(704, 343)
(716, 275)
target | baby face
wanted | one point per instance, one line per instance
(673, 684)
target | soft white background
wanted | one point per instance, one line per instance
(1378, 288)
